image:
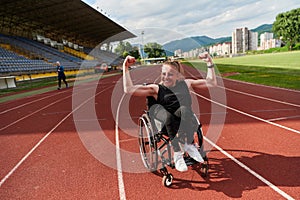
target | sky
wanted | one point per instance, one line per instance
(163, 21)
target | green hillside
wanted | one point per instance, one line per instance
(263, 28)
(189, 43)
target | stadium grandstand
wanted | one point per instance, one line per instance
(34, 34)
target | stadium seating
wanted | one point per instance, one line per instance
(45, 55)
(12, 62)
(40, 58)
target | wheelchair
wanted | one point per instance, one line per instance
(156, 149)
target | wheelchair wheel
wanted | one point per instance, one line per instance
(147, 143)
(167, 180)
(199, 140)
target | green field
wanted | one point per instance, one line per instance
(275, 69)
(286, 60)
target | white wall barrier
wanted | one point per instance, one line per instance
(7, 82)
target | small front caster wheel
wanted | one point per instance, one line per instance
(167, 180)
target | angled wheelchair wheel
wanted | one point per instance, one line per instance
(204, 168)
(147, 143)
(199, 140)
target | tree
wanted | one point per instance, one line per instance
(123, 48)
(154, 50)
(287, 26)
(135, 52)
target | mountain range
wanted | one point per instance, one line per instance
(187, 44)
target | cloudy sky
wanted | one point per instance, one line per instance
(162, 21)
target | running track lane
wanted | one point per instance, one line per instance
(249, 136)
(61, 167)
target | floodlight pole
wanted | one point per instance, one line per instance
(142, 47)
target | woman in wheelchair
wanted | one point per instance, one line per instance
(173, 104)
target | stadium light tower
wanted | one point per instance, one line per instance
(142, 45)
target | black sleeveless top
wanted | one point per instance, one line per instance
(171, 98)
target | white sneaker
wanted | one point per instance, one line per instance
(193, 152)
(179, 162)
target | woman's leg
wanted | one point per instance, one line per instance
(170, 121)
(187, 128)
(188, 124)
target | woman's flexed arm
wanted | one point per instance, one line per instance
(210, 80)
(130, 88)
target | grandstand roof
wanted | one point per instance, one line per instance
(72, 20)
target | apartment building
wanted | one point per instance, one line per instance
(221, 49)
(194, 53)
(267, 41)
(244, 40)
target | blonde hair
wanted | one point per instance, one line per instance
(177, 65)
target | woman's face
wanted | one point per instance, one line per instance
(169, 75)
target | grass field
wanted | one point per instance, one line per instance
(286, 60)
(276, 69)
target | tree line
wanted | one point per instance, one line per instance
(150, 50)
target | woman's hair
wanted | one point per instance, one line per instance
(177, 65)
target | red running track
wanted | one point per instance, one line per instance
(66, 144)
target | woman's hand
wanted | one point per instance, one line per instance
(205, 57)
(129, 60)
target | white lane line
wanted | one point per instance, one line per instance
(282, 193)
(284, 118)
(25, 104)
(275, 110)
(127, 140)
(122, 193)
(260, 97)
(266, 86)
(265, 181)
(256, 96)
(20, 119)
(90, 120)
(249, 115)
(32, 150)
(121, 186)
(212, 113)
(28, 103)
(44, 138)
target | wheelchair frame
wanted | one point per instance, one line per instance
(154, 143)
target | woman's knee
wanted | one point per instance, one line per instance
(184, 113)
